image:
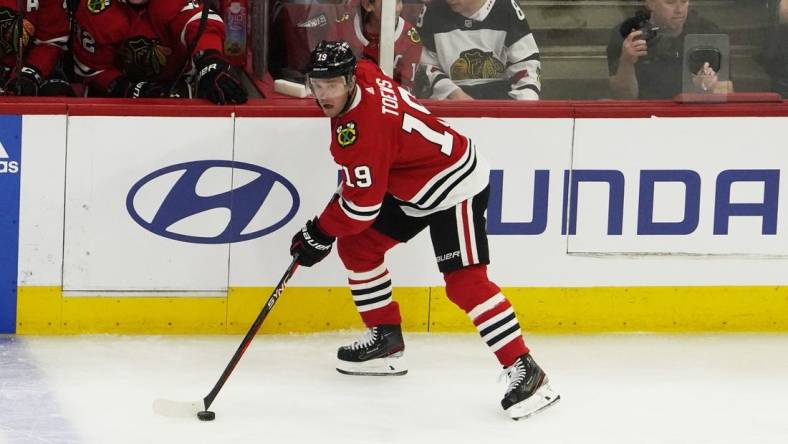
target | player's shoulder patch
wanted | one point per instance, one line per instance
(97, 6)
(347, 134)
(414, 35)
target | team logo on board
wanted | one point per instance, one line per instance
(347, 134)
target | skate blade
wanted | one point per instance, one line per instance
(393, 365)
(543, 398)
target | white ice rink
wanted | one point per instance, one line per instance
(615, 389)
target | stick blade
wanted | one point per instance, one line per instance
(177, 409)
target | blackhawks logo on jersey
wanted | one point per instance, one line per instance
(347, 134)
(96, 6)
(414, 35)
(476, 64)
(143, 58)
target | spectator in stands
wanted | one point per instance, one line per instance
(775, 56)
(296, 28)
(362, 32)
(32, 44)
(138, 49)
(647, 63)
(480, 49)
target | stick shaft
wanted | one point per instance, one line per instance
(208, 400)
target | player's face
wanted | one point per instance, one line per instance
(669, 15)
(465, 7)
(375, 7)
(331, 94)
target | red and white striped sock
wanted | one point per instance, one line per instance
(498, 326)
(371, 292)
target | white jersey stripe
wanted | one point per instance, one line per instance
(454, 178)
(83, 70)
(461, 233)
(359, 208)
(60, 42)
(471, 232)
(362, 216)
(211, 16)
(449, 170)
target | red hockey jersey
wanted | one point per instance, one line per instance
(148, 43)
(297, 27)
(45, 22)
(389, 143)
(407, 46)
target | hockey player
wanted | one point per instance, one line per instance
(479, 49)
(136, 49)
(363, 35)
(406, 170)
(42, 31)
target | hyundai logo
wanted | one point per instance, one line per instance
(177, 202)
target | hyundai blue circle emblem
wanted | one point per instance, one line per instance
(166, 210)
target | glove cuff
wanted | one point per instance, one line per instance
(319, 234)
(32, 72)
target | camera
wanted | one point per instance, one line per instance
(641, 22)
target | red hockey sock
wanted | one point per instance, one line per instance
(372, 295)
(489, 310)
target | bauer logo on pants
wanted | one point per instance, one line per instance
(180, 202)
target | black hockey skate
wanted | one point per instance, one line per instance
(529, 391)
(377, 353)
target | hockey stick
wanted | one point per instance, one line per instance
(180, 409)
(20, 42)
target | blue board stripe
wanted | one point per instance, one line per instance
(10, 170)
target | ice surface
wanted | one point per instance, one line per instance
(615, 389)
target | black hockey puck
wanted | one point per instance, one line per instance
(206, 415)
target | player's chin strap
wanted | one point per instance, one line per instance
(206, 6)
(350, 96)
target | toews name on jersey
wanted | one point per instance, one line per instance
(387, 143)
(389, 100)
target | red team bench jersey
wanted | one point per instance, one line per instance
(46, 23)
(388, 143)
(407, 46)
(144, 44)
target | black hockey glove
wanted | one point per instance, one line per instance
(123, 87)
(311, 244)
(26, 83)
(215, 80)
(56, 88)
